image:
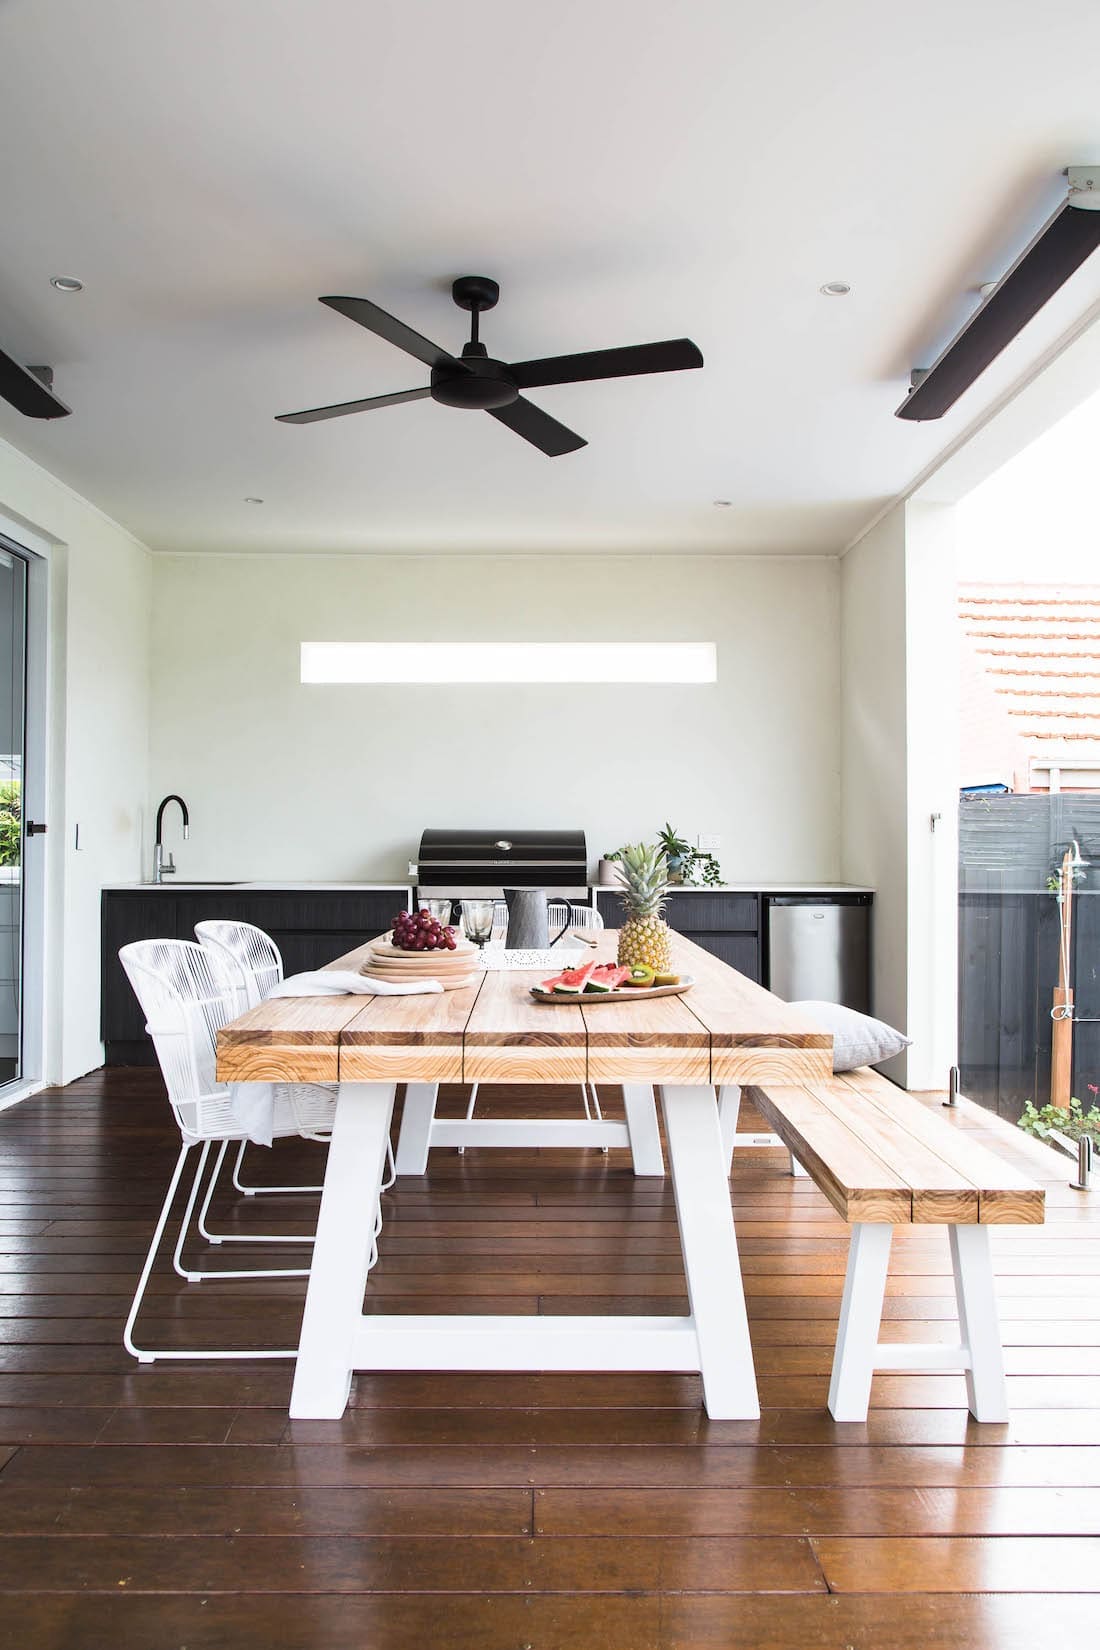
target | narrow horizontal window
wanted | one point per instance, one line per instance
(509, 662)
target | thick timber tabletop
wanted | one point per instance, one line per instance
(726, 1029)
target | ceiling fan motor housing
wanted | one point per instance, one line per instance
(477, 382)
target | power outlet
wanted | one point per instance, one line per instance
(709, 844)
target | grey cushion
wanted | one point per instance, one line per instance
(858, 1040)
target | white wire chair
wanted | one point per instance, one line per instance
(258, 966)
(558, 914)
(188, 993)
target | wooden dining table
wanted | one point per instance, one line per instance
(726, 1031)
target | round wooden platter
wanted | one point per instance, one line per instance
(623, 993)
(449, 980)
(382, 951)
(453, 969)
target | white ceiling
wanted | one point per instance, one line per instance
(627, 169)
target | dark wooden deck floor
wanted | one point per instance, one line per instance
(176, 1506)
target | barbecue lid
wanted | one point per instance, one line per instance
(501, 849)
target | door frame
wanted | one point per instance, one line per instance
(33, 551)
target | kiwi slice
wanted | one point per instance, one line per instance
(641, 975)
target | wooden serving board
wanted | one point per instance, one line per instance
(455, 982)
(385, 952)
(453, 969)
(622, 993)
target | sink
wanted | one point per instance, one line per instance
(204, 882)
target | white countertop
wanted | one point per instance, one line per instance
(181, 883)
(762, 886)
(766, 887)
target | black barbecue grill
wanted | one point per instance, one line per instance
(465, 864)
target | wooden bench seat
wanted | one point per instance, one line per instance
(883, 1159)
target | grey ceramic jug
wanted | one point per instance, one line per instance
(529, 920)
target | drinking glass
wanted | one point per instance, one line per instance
(477, 919)
(440, 909)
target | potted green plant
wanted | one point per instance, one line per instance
(608, 874)
(686, 864)
(677, 851)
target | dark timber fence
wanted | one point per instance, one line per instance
(1008, 945)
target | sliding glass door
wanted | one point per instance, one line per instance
(13, 682)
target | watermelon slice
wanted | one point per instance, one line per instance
(608, 977)
(574, 980)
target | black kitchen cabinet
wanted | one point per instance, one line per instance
(129, 917)
(310, 927)
(713, 913)
(725, 924)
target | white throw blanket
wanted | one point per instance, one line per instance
(254, 1103)
(340, 982)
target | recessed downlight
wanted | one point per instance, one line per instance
(66, 283)
(722, 503)
(835, 289)
(253, 500)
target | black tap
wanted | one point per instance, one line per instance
(160, 869)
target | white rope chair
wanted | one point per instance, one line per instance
(258, 965)
(187, 994)
(558, 914)
(260, 968)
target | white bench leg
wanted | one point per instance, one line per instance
(986, 1392)
(796, 1167)
(709, 1243)
(860, 1316)
(342, 1252)
(641, 1122)
(416, 1128)
(729, 1109)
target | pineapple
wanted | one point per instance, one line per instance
(644, 936)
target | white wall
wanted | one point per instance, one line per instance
(932, 791)
(99, 693)
(899, 686)
(874, 823)
(337, 782)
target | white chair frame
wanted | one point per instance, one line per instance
(188, 993)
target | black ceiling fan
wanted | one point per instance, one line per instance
(474, 379)
(30, 389)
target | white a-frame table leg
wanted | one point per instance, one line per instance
(341, 1253)
(641, 1123)
(979, 1323)
(701, 1186)
(729, 1110)
(416, 1128)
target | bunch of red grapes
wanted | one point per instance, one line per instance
(420, 931)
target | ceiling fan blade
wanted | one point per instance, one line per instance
(26, 391)
(674, 355)
(376, 320)
(537, 427)
(342, 408)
